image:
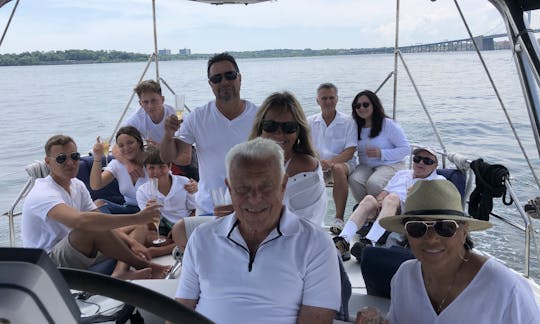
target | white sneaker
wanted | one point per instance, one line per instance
(337, 226)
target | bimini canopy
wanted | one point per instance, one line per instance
(220, 2)
(3, 2)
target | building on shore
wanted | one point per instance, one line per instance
(184, 51)
(164, 51)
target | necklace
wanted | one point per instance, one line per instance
(443, 301)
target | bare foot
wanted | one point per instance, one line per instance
(145, 273)
(159, 271)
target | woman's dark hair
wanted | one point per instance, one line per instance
(469, 244)
(133, 132)
(377, 117)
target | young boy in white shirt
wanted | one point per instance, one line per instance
(176, 194)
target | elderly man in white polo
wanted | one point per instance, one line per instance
(261, 264)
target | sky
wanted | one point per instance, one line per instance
(126, 25)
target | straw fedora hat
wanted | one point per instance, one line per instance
(433, 199)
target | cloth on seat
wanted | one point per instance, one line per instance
(38, 169)
(490, 183)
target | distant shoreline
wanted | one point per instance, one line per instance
(90, 57)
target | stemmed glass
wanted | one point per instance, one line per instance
(105, 143)
(179, 103)
(154, 195)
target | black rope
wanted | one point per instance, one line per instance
(490, 183)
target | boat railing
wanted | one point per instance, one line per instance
(35, 170)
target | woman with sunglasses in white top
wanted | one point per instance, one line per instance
(448, 282)
(382, 146)
(281, 118)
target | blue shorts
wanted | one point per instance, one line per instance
(114, 208)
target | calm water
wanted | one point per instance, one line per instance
(86, 100)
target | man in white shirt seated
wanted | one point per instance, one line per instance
(389, 201)
(261, 264)
(335, 137)
(60, 217)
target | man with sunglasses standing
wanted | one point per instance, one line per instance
(60, 217)
(387, 203)
(334, 136)
(213, 128)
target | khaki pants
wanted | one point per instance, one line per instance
(366, 180)
(63, 254)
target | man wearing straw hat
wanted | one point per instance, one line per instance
(448, 282)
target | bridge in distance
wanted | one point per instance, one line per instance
(484, 42)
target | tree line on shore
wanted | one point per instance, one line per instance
(75, 56)
(84, 56)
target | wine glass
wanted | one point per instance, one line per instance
(154, 195)
(179, 105)
(105, 143)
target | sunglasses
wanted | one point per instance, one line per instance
(216, 78)
(271, 126)
(62, 157)
(328, 98)
(359, 105)
(444, 228)
(426, 160)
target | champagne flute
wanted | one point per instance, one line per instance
(154, 195)
(179, 103)
(105, 143)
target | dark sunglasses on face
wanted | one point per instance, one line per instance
(62, 157)
(328, 98)
(425, 159)
(359, 105)
(216, 78)
(444, 228)
(271, 126)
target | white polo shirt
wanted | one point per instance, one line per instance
(333, 139)
(214, 135)
(40, 231)
(295, 265)
(144, 124)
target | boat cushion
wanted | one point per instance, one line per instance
(455, 176)
(109, 192)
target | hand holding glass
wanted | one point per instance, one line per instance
(105, 143)
(154, 196)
